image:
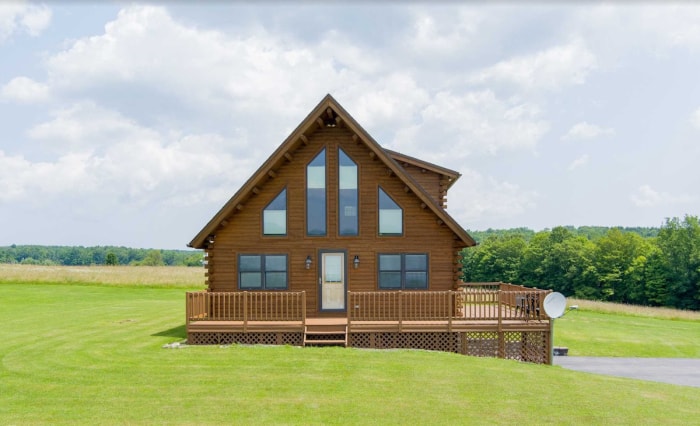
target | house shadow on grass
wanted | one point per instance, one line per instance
(178, 332)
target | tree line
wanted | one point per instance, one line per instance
(643, 266)
(99, 255)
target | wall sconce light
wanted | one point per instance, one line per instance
(210, 239)
(307, 262)
(356, 262)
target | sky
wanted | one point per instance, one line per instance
(132, 124)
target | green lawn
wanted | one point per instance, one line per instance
(93, 355)
(590, 333)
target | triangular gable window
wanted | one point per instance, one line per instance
(275, 215)
(390, 215)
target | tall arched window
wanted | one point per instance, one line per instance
(347, 195)
(316, 195)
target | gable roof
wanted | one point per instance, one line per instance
(451, 175)
(327, 113)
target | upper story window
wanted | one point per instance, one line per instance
(262, 271)
(316, 195)
(403, 271)
(347, 195)
(390, 215)
(275, 215)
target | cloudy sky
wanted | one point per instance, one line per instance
(131, 124)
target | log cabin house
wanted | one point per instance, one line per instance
(336, 240)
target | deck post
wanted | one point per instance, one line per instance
(501, 340)
(303, 308)
(450, 297)
(245, 311)
(400, 311)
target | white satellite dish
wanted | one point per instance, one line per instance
(555, 304)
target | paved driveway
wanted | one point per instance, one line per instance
(678, 371)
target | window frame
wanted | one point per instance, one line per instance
(263, 271)
(403, 272)
(286, 213)
(357, 197)
(323, 151)
(381, 190)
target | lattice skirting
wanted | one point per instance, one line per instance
(529, 346)
(223, 338)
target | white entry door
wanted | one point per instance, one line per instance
(332, 281)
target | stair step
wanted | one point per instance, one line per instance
(325, 342)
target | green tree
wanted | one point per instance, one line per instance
(111, 259)
(619, 258)
(153, 258)
(679, 242)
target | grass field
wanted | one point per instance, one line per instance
(93, 354)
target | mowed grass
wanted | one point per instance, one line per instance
(92, 354)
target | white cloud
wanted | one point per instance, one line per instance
(440, 35)
(585, 130)
(144, 47)
(579, 162)
(695, 118)
(454, 126)
(485, 198)
(24, 90)
(18, 16)
(646, 196)
(101, 151)
(562, 65)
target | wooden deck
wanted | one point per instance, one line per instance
(479, 319)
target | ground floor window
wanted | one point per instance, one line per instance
(262, 272)
(407, 271)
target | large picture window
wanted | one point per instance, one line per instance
(347, 195)
(262, 272)
(316, 195)
(390, 215)
(275, 215)
(403, 271)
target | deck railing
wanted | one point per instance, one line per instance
(246, 306)
(503, 301)
(472, 301)
(401, 305)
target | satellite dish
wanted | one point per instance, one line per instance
(555, 304)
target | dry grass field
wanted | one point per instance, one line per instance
(153, 276)
(640, 311)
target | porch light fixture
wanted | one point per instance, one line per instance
(210, 239)
(307, 262)
(356, 262)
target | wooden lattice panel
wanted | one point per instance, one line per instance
(535, 347)
(482, 343)
(445, 342)
(513, 344)
(294, 339)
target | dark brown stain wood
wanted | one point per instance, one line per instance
(423, 232)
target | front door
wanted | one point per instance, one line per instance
(332, 281)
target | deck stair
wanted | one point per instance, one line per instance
(326, 335)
